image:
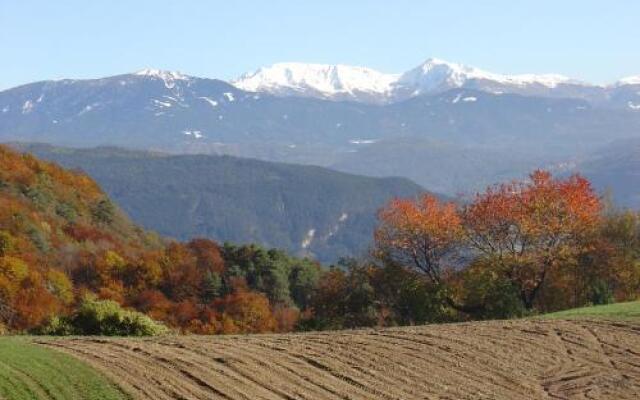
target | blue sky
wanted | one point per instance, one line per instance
(590, 40)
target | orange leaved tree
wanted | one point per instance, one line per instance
(424, 233)
(527, 228)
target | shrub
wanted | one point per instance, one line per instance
(600, 293)
(56, 326)
(106, 317)
(102, 317)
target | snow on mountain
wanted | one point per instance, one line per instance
(168, 77)
(358, 83)
(629, 80)
(436, 75)
(317, 80)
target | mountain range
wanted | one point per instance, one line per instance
(450, 128)
(344, 82)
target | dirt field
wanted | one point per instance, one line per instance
(492, 360)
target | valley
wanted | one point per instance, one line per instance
(305, 210)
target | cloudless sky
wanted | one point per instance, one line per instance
(598, 41)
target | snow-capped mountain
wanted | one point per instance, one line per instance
(335, 82)
(436, 75)
(168, 77)
(629, 80)
(174, 110)
(342, 82)
(416, 112)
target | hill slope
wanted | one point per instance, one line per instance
(493, 360)
(304, 209)
(54, 224)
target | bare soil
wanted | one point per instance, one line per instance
(525, 359)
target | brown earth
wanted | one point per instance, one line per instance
(486, 360)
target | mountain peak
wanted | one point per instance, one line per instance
(324, 80)
(433, 62)
(629, 80)
(438, 74)
(168, 77)
(161, 74)
(344, 82)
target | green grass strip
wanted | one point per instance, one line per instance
(624, 311)
(29, 371)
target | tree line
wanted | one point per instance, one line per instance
(72, 263)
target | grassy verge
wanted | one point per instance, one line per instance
(29, 371)
(630, 310)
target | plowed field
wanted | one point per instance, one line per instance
(491, 360)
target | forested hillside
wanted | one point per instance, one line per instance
(69, 258)
(53, 225)
(305, 210)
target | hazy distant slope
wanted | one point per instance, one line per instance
(302, 209)
(440, 166)
(616, 168)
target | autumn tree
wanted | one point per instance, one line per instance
(613, 260)
(208, 255)
(286, 318)
(181, 280)
(425, 234)
(527, 229)
(327, 305)
(247, 312)
(153, 303)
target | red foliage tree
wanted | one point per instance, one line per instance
(248, 312)
(422, 233)
(527, 228)
(208, 256)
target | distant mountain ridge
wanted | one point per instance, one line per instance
(342, 82)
